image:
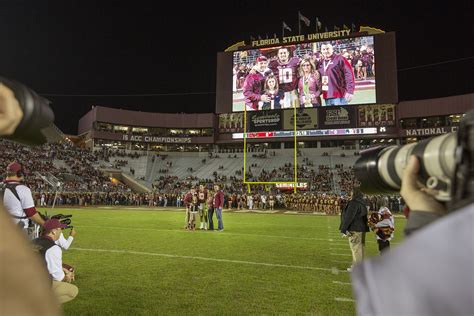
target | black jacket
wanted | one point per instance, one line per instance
(354, 217)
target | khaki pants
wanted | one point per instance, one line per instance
(64, 291)
(357, 244)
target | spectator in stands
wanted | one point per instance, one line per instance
(17, 198)
(354, 225)
(250, 202)
(218, 203)
(52, 254)
(337, 77)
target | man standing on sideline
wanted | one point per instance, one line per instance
(354, 225)
(202, 197)
(17, 198)
(218, 204)
(337, 77)
(52, 254)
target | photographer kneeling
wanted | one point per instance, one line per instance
(52, 253)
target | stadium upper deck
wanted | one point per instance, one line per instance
(410, 121)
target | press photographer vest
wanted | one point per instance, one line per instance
(12, 188)
(43, 244)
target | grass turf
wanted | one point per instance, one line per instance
(141, 262)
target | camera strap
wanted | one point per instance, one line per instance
(12, 188)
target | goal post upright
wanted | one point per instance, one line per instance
(295, 156)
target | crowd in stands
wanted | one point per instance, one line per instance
(82, 183)
(78, 173)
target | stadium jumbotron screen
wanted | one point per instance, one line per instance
(305, 75)
(336, 72)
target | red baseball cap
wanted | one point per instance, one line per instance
(261, 58)
(15, 167)
(53, 223)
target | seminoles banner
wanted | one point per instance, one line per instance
(337, 117)
(231, 123)
(376, 115)
(260, 121)
(305, 119)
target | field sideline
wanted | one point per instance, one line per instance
(133, 261)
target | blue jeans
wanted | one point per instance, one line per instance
(210, 214)
(335, 101)
(220, 225)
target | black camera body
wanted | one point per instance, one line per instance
(64, 219)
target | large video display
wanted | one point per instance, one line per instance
(329, 73)
(241, 77)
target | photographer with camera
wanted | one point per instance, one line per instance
(18, 200)
(61, 277)
(434, 265)
(23, 115)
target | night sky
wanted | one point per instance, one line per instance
(63, 49)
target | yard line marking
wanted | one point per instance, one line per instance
(223, 234)
(342, 283)
(208, 259)
(343, 299)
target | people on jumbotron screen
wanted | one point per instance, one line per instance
(309, 85)
(329, 72)
(337, 77)
(285, 68)
(253, 84)
(271, 90)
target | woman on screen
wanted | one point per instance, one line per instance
(274, 94)
(309, 85)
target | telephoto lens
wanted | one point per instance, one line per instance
(380, 169)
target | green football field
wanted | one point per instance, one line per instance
(132, 261)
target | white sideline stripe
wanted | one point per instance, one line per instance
(343, 299)
(342, 283)
(207, 259)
